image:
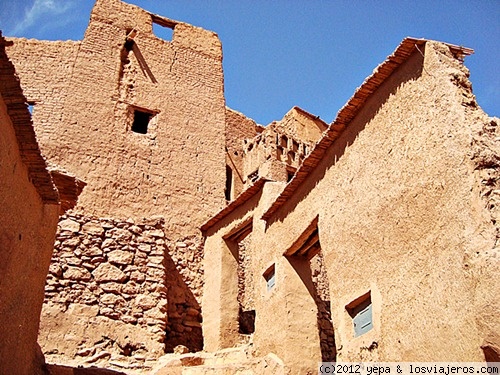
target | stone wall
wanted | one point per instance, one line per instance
(323, 303)
(184, 267)
(121, 289)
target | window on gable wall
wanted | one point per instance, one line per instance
(253, 176)
(360, 311)
(270, 277)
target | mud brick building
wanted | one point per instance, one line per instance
(29, 210)
(383, 244)
(185, 226)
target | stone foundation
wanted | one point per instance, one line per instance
(121, 289)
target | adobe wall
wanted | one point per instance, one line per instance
(238, 128)
(44, 69)
(227, 288)
(297, 317)
(400, 216)
(94, 86)
(301, 125)
(27, 230)
(121, 291)
(485, 156)
(280, 148)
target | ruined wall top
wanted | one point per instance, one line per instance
(301, 125)
(131, 17)
(279, 148)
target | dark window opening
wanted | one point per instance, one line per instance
(141, 122)
(360, 311)
(129, 45)
(163, 32)
(284, 141)
(290, 172)
(270, 277)
(229, 183)
(279, 152)
(246, 321)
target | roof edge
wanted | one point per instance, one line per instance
(239, 201)
(352, 107)
(17, 109)
(310, 115)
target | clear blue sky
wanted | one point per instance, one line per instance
(313, 54)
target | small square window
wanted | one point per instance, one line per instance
(141, 121)
(270, 277)
(162, 32)
(360, 311)
(163, 28)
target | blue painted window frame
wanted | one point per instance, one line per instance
(361, 313)
(270, 277)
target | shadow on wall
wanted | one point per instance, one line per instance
(326, 334)
(184, 312)
(491, 352)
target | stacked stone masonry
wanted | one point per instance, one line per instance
(125, 272)
(323, 303)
